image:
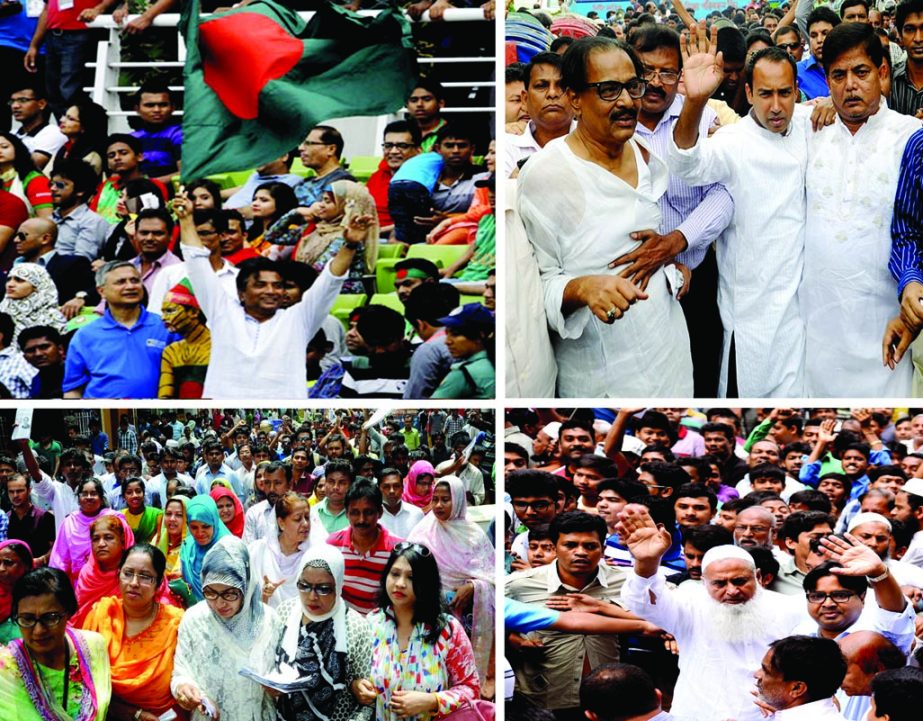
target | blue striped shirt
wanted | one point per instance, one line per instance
(907, 220)
(700, 214)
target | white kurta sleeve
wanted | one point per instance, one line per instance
(704, 163)
(650, 599)
(318, 300)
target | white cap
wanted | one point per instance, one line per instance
(724, 553)
(601, 426)
(552, 430)
(861, 518)
(914, 486)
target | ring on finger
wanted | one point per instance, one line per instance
(610, 314)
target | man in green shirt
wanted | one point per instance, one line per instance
(470, 340)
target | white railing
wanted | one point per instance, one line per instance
(107, 91)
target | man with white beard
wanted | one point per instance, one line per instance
(722, 628)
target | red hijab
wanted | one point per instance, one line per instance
(93, 583)
(6, 592)
(236, 526)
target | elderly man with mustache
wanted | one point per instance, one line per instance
(582, 199)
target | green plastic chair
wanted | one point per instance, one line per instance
(442, 255)
(345, 304)
(465, 299)
(391, 250)
(384, 274)
(388, 299)
(362, 166)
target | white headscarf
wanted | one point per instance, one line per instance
(329, 558)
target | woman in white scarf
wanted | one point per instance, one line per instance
(324, 644)
(275, 559)
(232, 630)
(31, 299)
(466, 565)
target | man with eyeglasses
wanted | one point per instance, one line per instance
(605, 183)
(401, 142)
(536, 500)
(80, 230)
(545, 102)
(28, 107)
(788, 37)
(321, 151)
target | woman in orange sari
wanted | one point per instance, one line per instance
(141, 634)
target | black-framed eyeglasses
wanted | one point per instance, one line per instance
(399, 146)
(835, 596)
(667, 77)
(314, 142)
(321, 589)
(231, 595)
(48, 620)
(537, 506)
(407, 546)
(20, 101)
(610, 90)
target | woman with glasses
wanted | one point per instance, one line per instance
(53, 672)
(15, 562)
(72, 546)
(418, 485)
(466, 568)
(325, 644)
(232, 630)
(110, 535)
(141, 634)
(144, 520)
(276, 557)
(205, 530)
(422, 662)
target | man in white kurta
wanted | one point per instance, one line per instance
(761, 254)
(848, 294)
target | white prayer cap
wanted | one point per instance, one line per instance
(861, 518)
(552, 429)
(914, 486)
(725, 553)
(601, 426)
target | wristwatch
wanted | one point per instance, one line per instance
(352, 245)
(81, 294)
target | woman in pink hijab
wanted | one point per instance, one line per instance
(418, 485)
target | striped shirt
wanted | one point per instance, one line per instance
(363, 570)
(904, 97)
(907, 220)
(699, 213)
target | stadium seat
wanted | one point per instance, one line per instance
(384, 275)
(345, 304)
(391, 250)
(465, 299)
(388, 299)
(442, 255)
(362, 166)
(299, 169)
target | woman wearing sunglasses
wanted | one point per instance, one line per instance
(53, 672)
(422, 662)
(232, 630)
(325, 644)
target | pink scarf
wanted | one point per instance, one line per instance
(93, 583)
(419, 468)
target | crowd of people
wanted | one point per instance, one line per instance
(753, 175)
(296, 268)
(714, 564)
(246, 565)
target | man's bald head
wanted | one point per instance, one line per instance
(867, 654)
(35, 237)
(754, 527)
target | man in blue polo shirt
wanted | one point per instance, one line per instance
(117, 356)
(812, 80)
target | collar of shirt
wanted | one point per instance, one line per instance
(168, 258)
(108, 321)
(809, 711)
(75, 216)
(43, 260)
(322, 508)
(555, 583)
(8, 352)
(810, 62)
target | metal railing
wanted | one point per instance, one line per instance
(108, 92)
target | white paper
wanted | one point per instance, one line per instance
(65, 4)
(23, 428)
(34, 8)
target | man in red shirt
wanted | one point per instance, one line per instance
(13, 212)
(402, 141)
(365, 545)
(234, 248)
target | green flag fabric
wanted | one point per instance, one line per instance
(258, 78)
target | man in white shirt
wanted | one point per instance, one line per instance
(157, 486)
(467, 471)
(398, 517)
(798, 677)
(253, 332)
(261, 518)
(546, 102)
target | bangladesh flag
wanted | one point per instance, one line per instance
(258, 78)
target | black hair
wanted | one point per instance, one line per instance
(457, 130)
(765, 561)
(667, 454)
(767, 470)
(864, 448)
(731, 42)
(852, 3)
(600, 464)
(427, 588)
(631, 489)
(406, 126)
(577, 422)
(822, 14)
(697, 490)
(430, 301)
(252, 267)
(774, 54)
(578, 522)
(79, 173)
(818, 662)
(331, 136)
(43, 581)
(813, 499)
(274, 466)
(366, 490)
(726, 430)
(530, 483)
(898, 693)
(632, 686)
(904, 10)
(786, 30)
(795, 447)
(158, 560)
(564, 41)
(551, 58)
(803, 522)
(125, 139)
(540, 532)
(103, 499)
(430, 83)
(134, 479)
(514, 72)
(857, 584)
(301, 274)
(574, 67)
(339, 465)
(757, 36)
(210, 186)
(902, 533)
(7, 328)
(653, 37)
(705, 538)
(155, 85)
(22, 162)
(285, 200)
(380, 325)
(666, 474)
(875, 473)
(160, 214)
